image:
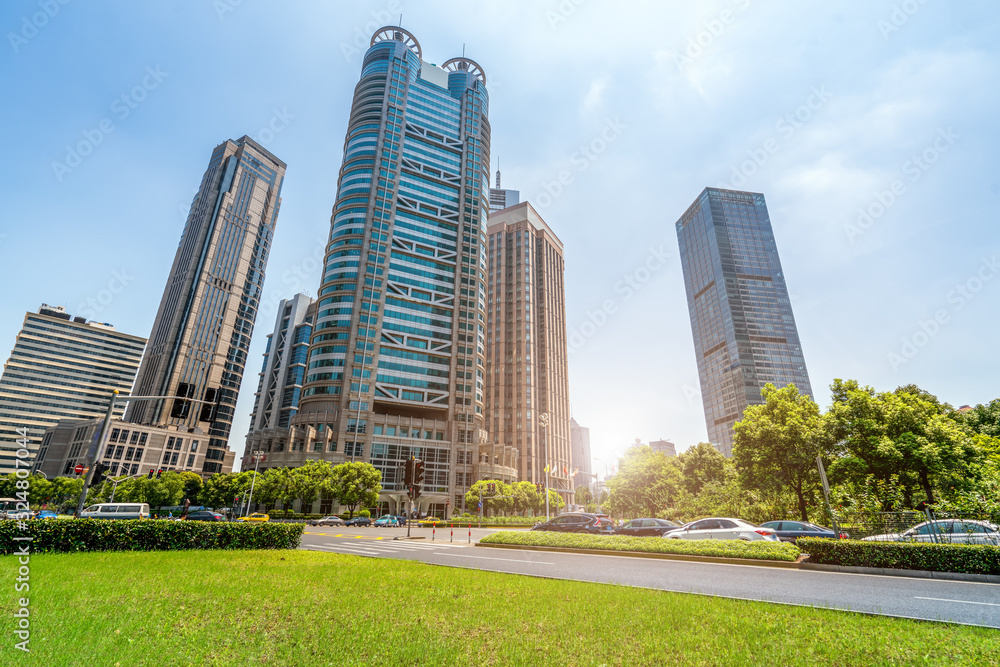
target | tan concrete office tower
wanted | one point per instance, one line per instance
(198, 346)
(526, 350)
(396, 361)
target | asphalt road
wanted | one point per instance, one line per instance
(924, 599)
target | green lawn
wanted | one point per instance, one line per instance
(307, 608)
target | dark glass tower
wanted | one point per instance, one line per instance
(201, 335)
(741, 317)
(397, 354)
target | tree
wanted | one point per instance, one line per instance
(700, 465)
(906, 437)
(584, 496)
(494, 505)
(355, 483)
(645, 483)
(526, 497)
(777, 443)
(310, 480)
(984, 419)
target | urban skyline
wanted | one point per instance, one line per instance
(842, 225)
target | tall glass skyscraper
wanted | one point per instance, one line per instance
(741, 316)
(396, 360)
(201, 335)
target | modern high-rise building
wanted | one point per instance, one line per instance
(201, 335)
(741, 316)
(281, 379)
(501, 199)
(527, 367)
(61, 367)
(396, 361)
(664, 446)
(579, 437)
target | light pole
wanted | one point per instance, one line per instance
(543, 420)
(597, 482)
(255, 455)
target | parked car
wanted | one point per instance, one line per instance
(947, 531)
(327, 521)
(359, 521)
(386, 521)
(46, 514)
(206, 515)
(648, 527)
(116, 511)
(255, 517)
(789, 531)
(722, 529)
(578, 522)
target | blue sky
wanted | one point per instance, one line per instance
(869, 126)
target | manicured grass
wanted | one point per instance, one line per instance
(308, 608)
(759, 549)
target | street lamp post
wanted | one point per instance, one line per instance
(597, 482)
(256, 455)
(543, 420)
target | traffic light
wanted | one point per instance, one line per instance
(159, 473)
(99, 470)
(408, 472)
(540, 488)
(418, 472)
(180, 408)
(150, 474)
(491, 488)
(210, 409)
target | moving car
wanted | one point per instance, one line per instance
(722, 529)
(578, 522)
(387, 520)
(647, 527)
(46, 514)
(116, 511)
(945, 531)
(789, 531)
(205, 515)
(327, 521)
(359, 521)
(256, 516)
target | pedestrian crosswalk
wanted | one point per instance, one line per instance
(383, 547)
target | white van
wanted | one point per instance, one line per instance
(116, 511)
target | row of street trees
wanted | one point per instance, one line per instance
(883, 451)
(352, 485)
(517, 498)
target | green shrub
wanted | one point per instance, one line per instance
(365, 513)
(497, 520)
(146, 535)
(759, 549)
(966, 558)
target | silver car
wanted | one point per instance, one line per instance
(327, 521)
(722, 529)
(945, 531)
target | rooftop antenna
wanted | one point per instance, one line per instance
(498, 172)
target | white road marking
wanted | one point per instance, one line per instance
(347, 549)
(511, 560)
(988, 604)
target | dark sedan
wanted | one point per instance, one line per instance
(205, 515)
(359, 521)
(647, 527)
(578, 522)
(789, 531)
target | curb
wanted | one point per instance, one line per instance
(913, 574)
(646, 554)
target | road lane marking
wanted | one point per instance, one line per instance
(988, 604)
(511, 560)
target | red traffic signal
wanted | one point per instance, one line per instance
(150, 474)
(158, 473)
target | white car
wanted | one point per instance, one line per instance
(722, 529)
(945, 531)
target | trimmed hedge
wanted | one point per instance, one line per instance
(758, 549)
(965, 558)
(73, 535)
(497, 520)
